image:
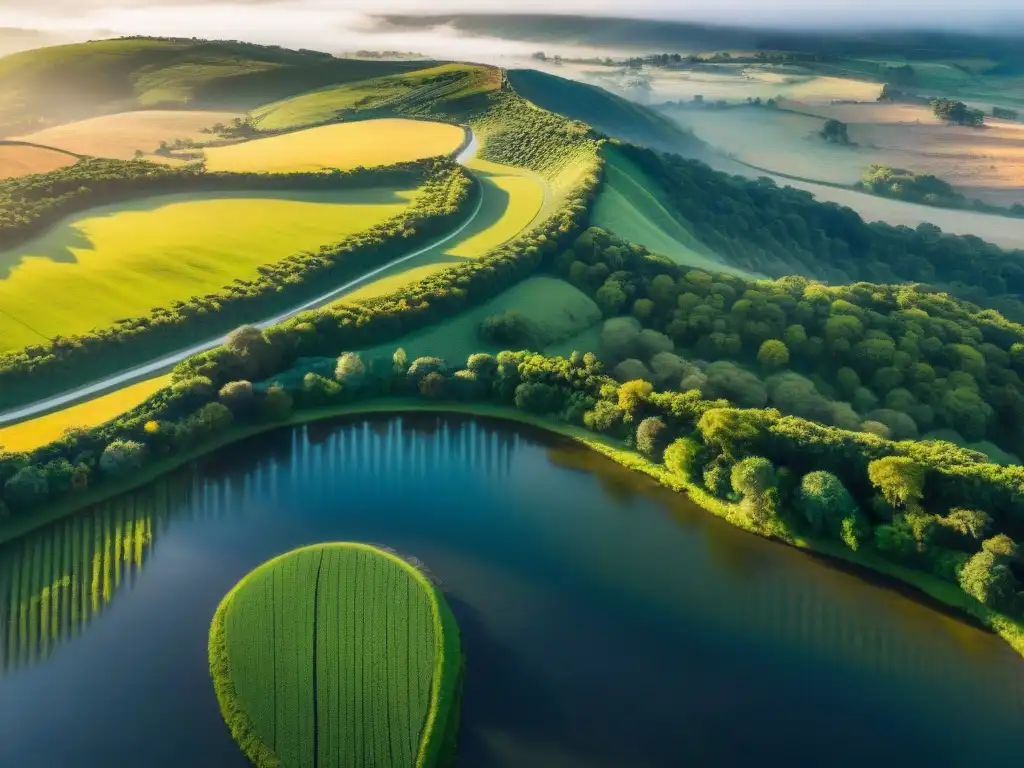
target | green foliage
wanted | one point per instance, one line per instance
(753, 477)
(633, 395)
(651, 438)
(956, 112)
(685, 458)
(900, 480)
(773, 355)
(122, 457)
(905, 185)
(825, 502)
(350, 371)
(988, 580)
(511, 329)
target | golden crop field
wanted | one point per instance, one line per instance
(909, 136)
(365, 661)
(119, 135)
(34, 433)
(344, 145)
(124, 260)
(19, 160)
(513, 199)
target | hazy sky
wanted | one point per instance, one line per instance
(316, 22)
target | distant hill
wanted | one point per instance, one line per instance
(612, 115)
(448, 90)
(52, 85)
(659, 35)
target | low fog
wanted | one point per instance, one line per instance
(315, 22)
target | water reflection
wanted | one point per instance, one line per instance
(599, 611)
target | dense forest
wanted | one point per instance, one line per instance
(783, 231)
(898, 361)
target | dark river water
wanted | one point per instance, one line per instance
(606, 622)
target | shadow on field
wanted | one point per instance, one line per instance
(55, 246)
(57, 243)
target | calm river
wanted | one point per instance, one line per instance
(606, 622)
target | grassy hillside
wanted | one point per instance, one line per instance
(447, 90)
(634, 206)
(604, 111)
(69, 82)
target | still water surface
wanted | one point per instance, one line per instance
(606, 621)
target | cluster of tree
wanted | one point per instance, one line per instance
(894, 360)
(1004, 113)
(448, 193)
(956, 112)
(761, 227)
(925, 188)
(929, 506)
(835, 132)
(518, 133)
(904, 74)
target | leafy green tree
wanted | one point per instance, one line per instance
(726, 428)
(773, 355)
(605, 417)
(899, 479)
(651, 436)
(633, 395)
(432, 385)
(350, 371)
(27, 487)
(277, 404)
(484, 366)
(824, 501)
(755, 480)
(685, 458)
(988, 580)
(122, 457)
(239, 397)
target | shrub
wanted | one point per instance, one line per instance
(685, 458)
(122, 457)
(650, 438)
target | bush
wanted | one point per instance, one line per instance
(825, 503)
(651, 437)
(122, 457)
(685, 458)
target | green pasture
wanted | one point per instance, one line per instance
(633, 206)
(555, 310)
(447, 88)
(124, 260)
(337, 655)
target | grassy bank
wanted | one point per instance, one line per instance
(324, 617)
(935, 588)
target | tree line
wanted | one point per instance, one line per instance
(447, 195)
(926, 506)
(778, 231)
(29, 205)
(899, 361)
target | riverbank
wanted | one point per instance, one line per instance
(936, 589)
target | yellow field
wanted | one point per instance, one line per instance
(513, 199)
(737, 83)
(18, 161)
(37, 432)
(118, 136)
(345, 145)
(123, 260)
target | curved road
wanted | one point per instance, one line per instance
(162, 364)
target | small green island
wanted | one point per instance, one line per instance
(338, 654)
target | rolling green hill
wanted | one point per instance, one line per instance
(604, 111)
(69, 82)
(635, 207)
(447, 90)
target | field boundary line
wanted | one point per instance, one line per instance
(41, 407)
